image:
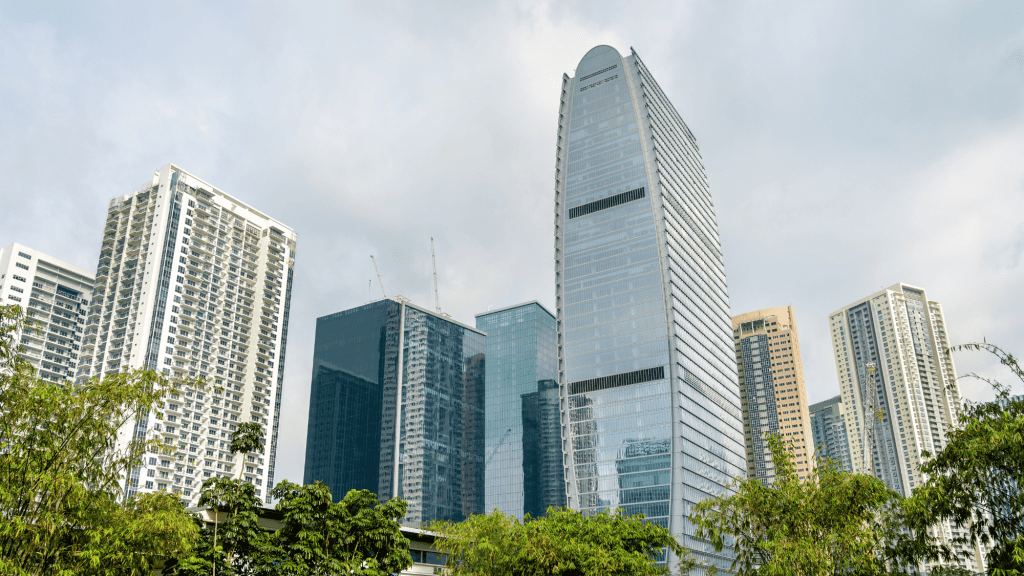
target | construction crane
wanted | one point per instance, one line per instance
(868, 432)
(379, 279)
(495, 451)
(433, 266)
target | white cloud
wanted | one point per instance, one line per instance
(371, 127)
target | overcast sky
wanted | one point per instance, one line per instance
(849, 145)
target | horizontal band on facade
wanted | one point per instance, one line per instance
(588, 76)
(605, 203)
(617, 380)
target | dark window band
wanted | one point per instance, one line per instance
(605, 203)
(625, 379)
(613, 67)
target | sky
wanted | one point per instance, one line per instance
(849, 145)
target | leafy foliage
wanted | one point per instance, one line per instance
(835, 522)
(977, 480)
(358, 535)
(60, 495)
(563, 542)
(248, 437)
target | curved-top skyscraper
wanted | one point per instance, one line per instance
(651, 408)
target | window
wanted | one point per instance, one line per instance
(23, 255)
(20, 265)
(16, 277)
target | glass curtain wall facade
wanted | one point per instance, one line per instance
(646, 366)
(346, 397)
(828, 427)
(397, 407)
(523, 442)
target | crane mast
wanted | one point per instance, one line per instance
(379, 279)
(868, 434)
(433, 266)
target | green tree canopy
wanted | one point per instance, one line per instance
(61, 471)
(358, 535)
(317, 536)
(834, 522)
(977, 480)
(561, 543)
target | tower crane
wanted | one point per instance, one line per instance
(868, 432)
(379, 279)
(433, 266)
(494, 452)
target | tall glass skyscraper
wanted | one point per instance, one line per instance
(524, 472)
(396, 406)
(646, 364)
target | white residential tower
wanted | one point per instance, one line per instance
(55, 296)
(898, 386)
(194, 282)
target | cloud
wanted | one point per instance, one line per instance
(849, 145)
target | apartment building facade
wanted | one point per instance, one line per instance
(55, 296)
(772, 390)
(194, 283)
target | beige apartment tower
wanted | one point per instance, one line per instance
(772, 390)
(899, 388)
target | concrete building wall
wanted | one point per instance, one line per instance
(55, 296)
(899, 388)
(194, 283)
(772, 389)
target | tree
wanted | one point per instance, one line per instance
(63, 508)
(563, 542)
(977, 480)
(233, 543)
(835, 522)
(358, 535)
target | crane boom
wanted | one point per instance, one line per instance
(433, 266)
(379, 279)
(495, 451)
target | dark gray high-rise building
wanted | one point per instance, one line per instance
(396, 406)
(524, 473)
(646, 364)
(828, 427)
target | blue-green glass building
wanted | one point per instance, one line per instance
(647, 370)
(523, 443)
(396, 406)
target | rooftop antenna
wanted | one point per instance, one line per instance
(379, 279)
(433, 266)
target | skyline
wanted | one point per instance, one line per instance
(929, 130)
